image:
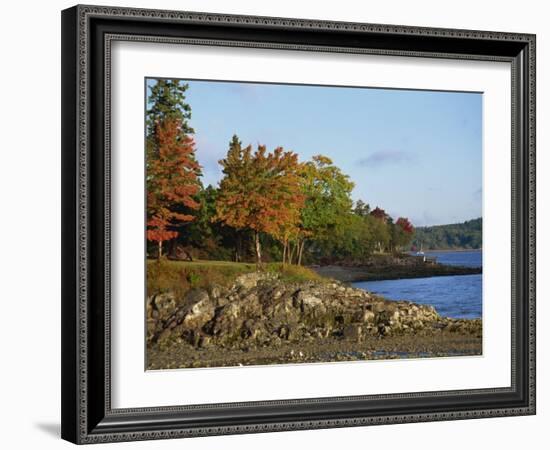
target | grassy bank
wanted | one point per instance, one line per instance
(180, 276)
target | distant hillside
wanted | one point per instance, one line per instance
(466, 235)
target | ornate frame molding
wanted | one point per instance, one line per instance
(80, 423)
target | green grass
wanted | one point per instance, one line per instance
(180, 276)
(293, 273)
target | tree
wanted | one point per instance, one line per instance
(289, 231)
(328, 201)
(405, 225)
(167, 101)
(172, 182)
(380, 214)
(458, 235)
(361, 209)
(356, 242)
(403, 232)
(260, 191)
(239, 238)
(383, 228)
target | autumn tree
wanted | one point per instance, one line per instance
(260, 191)
(172, 182)
(380, 214)
(239, 235)
(289, 231)
(327, 191)
(404, 232)
(382, 228)
(166, 101)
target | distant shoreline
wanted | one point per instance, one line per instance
(393, 272)
(451, 250)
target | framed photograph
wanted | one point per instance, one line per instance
(279, 224)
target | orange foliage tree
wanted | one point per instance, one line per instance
(172, 181)
(260, 191)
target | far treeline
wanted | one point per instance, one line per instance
(269, 205)
(466, 235)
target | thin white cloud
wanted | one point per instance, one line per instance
(387, 158)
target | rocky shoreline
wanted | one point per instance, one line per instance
(263, 320)
(391, 268)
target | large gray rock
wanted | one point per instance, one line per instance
(216, 292)
(368, 316)
(251, 280)
(161, 306)
(308, 300)
(195, 296)
(247, 281)
(280, 311)
(200, 311)
(229, 319)
(260, 310)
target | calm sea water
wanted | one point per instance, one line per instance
(453, 296)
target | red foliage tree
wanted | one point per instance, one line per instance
(403, 232)
(405, 225)
(379, 213)
(172, 182)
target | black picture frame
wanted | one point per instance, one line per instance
(87, 416)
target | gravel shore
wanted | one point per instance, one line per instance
(428, 345)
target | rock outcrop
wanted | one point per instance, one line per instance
(259, 310)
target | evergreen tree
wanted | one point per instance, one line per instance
(167, 101)
(361, 209)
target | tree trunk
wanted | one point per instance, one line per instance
(238, 247)
(160, 250)
(291, 253)
(258, 248)
(301, 251)
(285, 243)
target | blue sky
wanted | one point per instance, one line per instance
(416, 154)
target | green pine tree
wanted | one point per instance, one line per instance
(166, 100)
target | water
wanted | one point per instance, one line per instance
(458, 297)
(466, 258)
